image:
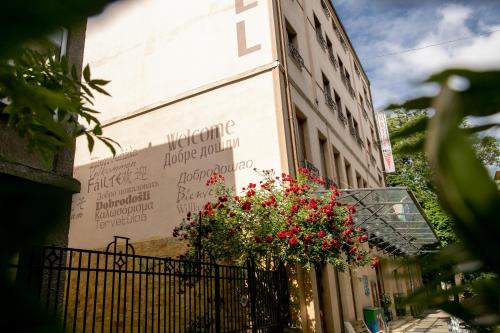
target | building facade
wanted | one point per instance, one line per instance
(226, 86)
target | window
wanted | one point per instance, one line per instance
(301, 135)
(293, 46)
(348, 174)
(368, 143)
(380, 181)
(324, 153)
(336, 164)
(326, 84)
(359, 181)
(349, 118)
(338, 101)
(319, 33)
(291, 34)
(341, 66)
(356, 127)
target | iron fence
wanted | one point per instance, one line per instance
(117, 290)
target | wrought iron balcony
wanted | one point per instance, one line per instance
(294, 52)
(369, 104)
(348, 85)
(372, 158)
(325, 9)
(321, 39)
(333, 60)
(330, 102)
(329, 183)
(359, 140)
(311, 167)
(365, 114)
(342, 118)
(352, 131)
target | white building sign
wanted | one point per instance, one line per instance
(385, 143)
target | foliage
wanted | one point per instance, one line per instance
(465, 190)
(282, 219)
(45, 100)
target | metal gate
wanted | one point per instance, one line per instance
(117, 290)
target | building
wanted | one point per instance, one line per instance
(227, 86)
(39, 197)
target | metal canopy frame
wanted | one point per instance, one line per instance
(393, 218)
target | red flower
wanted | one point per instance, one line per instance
(313, 204)
(294, 209)
(250, 193)
(282, 234)
(293, 241)
(258, 239)
(321, 234)
(246, 206)
(251, 185)
(269, 239)
(214, 178)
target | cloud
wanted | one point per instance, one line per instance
(383, 28)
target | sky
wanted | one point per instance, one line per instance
(382, 30)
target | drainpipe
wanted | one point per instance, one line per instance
(291, 118)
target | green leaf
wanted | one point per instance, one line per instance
(90, 142)
(415, 126)
(86, 73)
(420, 103)
(99, 82)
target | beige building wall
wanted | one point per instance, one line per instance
(208, 81)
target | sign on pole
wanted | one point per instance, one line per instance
(385, 143)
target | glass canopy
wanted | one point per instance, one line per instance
(393, 218)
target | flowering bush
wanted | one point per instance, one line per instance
(281, 218)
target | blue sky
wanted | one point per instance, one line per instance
(378, 28)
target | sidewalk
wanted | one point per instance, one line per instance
(434, 322)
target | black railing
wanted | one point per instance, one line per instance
(348, 85)
(311, 167)
(330, 102)
(329, 183)
(321, 39)
(325, 9)
(358, 139)
(372, 158)
(342, 118)
(365, 114)
(333, 60)
(294, 52)
(117, 290)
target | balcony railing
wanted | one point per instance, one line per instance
(330, 102)
(329, 183)
(365, 114)
(369, 104)
(359, 140)
(325, 9)
(321, 39)
(348, 85)
(342, 118)
(372, 158)
(333, 60)
(311, 167)
(352, 131)
(294, 52)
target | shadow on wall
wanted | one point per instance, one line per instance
(144, 194)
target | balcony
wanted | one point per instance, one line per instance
(321, 39)
(369, 104)
(342, 118)
(348, 85)
(352, 131)
(330, 102)
(329, 183)
(359, 140)
(308, 165)
(372, 158)
(297, 58)
(333, 60)
(365, 114)
(325, 9)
